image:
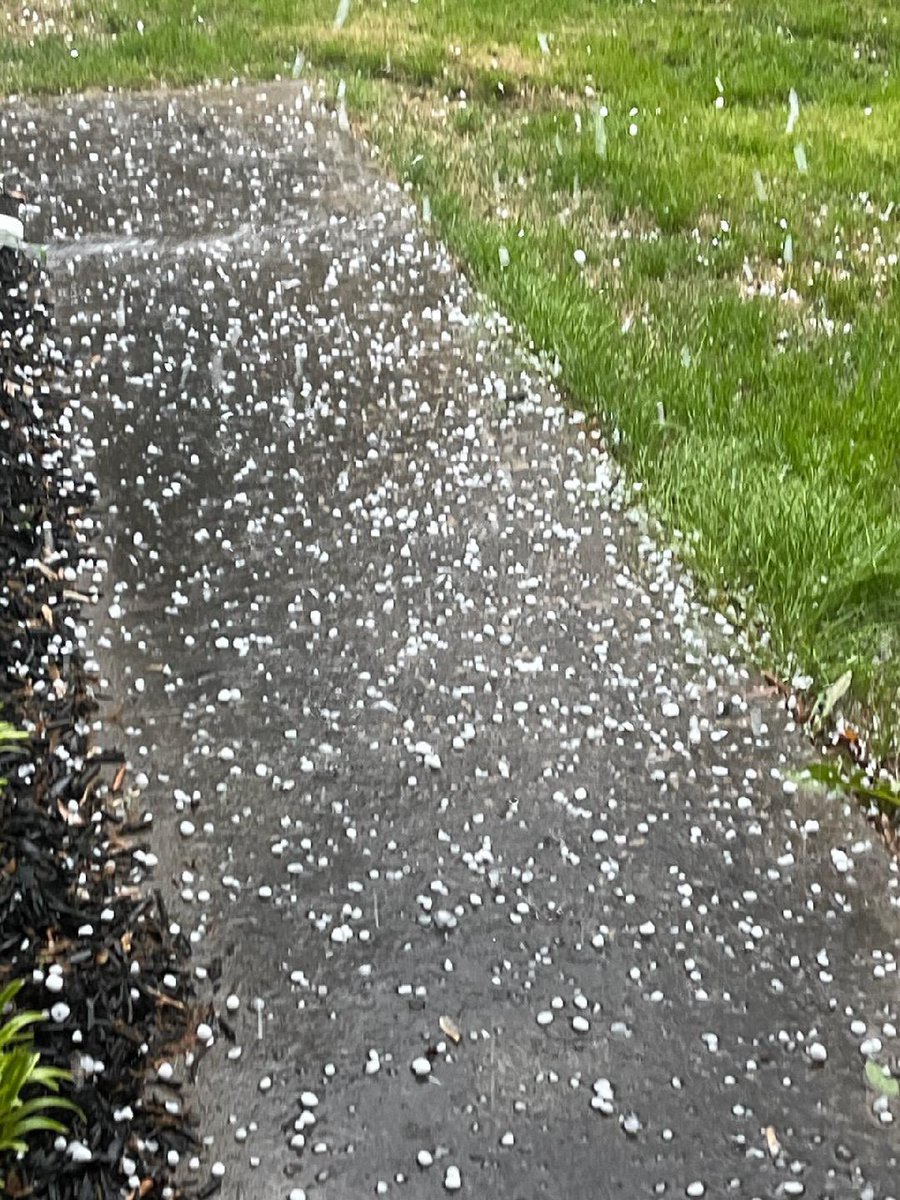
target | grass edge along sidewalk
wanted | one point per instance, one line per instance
(691, 210)
(695, 256)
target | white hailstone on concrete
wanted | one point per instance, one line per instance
(186, 828)
(603, 1088)
(817, 1052)
(840, 860)
(165, 1071)
(452, 1179)
(670, 709)
(204, 1032)
(309, 1099)
(544, 1017)
(870, 1046)
(424, 1158)
(631, 1124)
(508, 1139)
(265, 1083)
(217, 1170)
(232, 1002)
(297, 1194)
(420, 1067)
(697, 1188)
(581, 1024)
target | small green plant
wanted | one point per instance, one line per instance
(20, 1070)
(839, 774)
(9, 736)
(10, 739)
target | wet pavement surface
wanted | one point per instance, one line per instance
(436, 745)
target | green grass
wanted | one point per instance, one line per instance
(757, 398)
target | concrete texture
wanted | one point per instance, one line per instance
(429, 727)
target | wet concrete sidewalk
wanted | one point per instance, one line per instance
(433, 738)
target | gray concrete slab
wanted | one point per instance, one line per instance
(429, 727)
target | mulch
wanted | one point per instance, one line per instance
(73, 897)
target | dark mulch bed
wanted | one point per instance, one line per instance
(69, 894)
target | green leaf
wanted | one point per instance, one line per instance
(10, 992)
(15, 1069)
(832, 773)
(36, 1125)
(881, 1081)
(50, 1077)
(20, 1069)
(10, 733)
(825, 704)
(40, 1103)
(12, 1032)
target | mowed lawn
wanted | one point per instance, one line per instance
(691, 205)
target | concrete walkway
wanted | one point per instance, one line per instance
(436, 746)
